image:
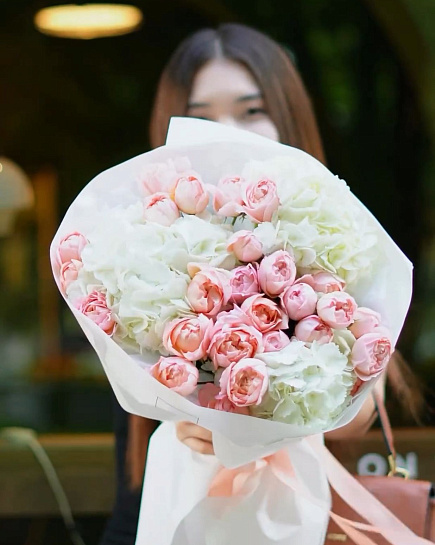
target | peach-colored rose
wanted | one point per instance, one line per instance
(209, 396)
(227, 198)
(276, 272)
(245, 382)
(245, 246)
(265, 314)
(299, 300)
(260, 200)
(70, 247)
(209, 291)
(94, 306)
(232, 340)
(311, 329)
(371, 353)
(160, 208)
(188, 337)
(190, 194)
(273, 341)
(69, 272)
(323, 282)
(244, 282)
(365, 321)
(337, 309)
(176, 373)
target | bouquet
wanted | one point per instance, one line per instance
(236, 283)
(255, 306)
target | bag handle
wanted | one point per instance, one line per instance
(387, 433)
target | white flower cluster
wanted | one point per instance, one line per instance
(308, 385)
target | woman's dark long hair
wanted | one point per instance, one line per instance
(289, 107)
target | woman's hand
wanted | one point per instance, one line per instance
(195, 437)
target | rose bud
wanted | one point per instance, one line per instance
(177, 374)
(232, 341)
(273, 341)
(264, 313)
(209, 396)
(94, 306)
(311, 329)
(365, 321)
(323, 282)
(299, 300)
(209, 291)
(190, 195)
(160, 208)
(245, 246)
(244, 282)
(69, 273)
(371, 353)
(337, 309)
(276, 272)
(260, 200)
(188, 337)
(245, 382)
(70, 247)
(227, 198)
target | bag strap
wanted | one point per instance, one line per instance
(387, 433)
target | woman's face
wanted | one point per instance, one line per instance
(225, 91)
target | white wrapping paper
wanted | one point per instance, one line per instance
(177, 480)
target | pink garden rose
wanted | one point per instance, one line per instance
(299, 300)
(160, 208)
(337, 309)
(233, 339)
(209, 291)
(188, 337)
(273, 341)
(276, 272)
(311, 329)
(94, 306)
(69, 272)
(227, 198)
(244, 282)
(264, 313)
(178, 374)
(161, 177)
(371, 353)
(260, 200)
(323, 282)
(365, 321)
(209, 396)
(70, 247)
(245, 246)
(190, 194)
(245, 382)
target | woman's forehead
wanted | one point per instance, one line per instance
(223, 78)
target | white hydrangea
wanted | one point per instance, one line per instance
(308, 385)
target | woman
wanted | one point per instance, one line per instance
(237, 76)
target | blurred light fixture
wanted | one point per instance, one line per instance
(86, 21)
(15, 193)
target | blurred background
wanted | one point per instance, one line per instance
(70, 108)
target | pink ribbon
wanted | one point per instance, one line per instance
(234, 482)
(238, 481)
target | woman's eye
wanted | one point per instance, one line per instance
(255, 111)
